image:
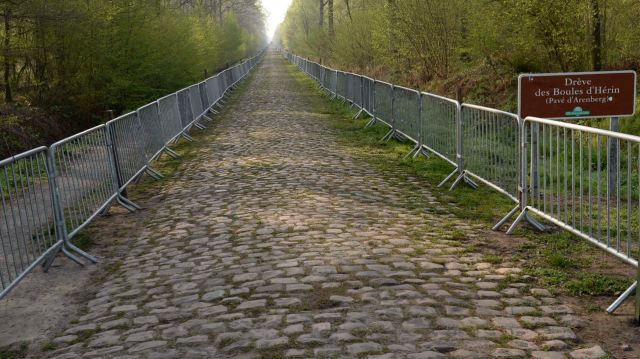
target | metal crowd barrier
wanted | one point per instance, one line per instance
(49, 195)
(566, 181)
(439, 127)
(152, 134)
(407, 112)
(28, 234)
(83, 176)
(494, 137)
(582, 179)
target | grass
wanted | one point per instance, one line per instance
(557, 258)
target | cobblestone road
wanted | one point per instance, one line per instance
(276, 242)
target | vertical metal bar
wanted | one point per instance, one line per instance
(598, 191)
(573, 179)
(618, 192)
(544, 165)
(15, 186)
(629, 204)
(581, 185)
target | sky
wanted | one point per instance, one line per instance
(276, 9)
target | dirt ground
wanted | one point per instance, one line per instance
(616, 333)
(43, 302)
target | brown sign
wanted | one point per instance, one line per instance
(577, 95)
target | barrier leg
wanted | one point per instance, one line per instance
(506, 218)
(537, 225)
(153, 173)
(413, 150)
(171, 153)
(197, 125)
(358, 114)
(388, 135)
(207, 118)
(187, 137)
(47, 263)
(615, 305)
(515, 223)
(127, 204)
(423, 152)
(78, 251)
(463, 177)
(448, 178)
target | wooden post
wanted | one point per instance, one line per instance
(227, 66)
(206, 75)
(459, 96)
(321, 61)
(110, 116)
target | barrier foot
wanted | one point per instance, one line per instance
(47, 264)
(187, 137)
(389, 134)
(506, 218)
(213, 111)
(171, 153)
(463, 177)
(371, 123)
(344, 101)
(615, 305)
(197, 125)
(357, 114)
(207, 118)
(448, 178)
(333, 98)
(398, 136)
(128, 205)
(71, 256)
(537, 225)
(153, 173)
(77, 250)
(413, 150)
(352, 104)
(515, 223)
(218, 104)
(329, 93)
(422, 151)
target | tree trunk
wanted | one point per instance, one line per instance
(7, 54)
(220, 10)
(321, 17)
(597, 40)
(346, 2)
(392, 18)
(330, 4)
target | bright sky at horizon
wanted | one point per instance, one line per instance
(276, 9)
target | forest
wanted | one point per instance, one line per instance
(65, 62)
(481, 45)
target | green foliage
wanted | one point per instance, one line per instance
(85, 57)
(436, 45)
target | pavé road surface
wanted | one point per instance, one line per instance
(277, 242)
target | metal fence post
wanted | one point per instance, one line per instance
(613, 158)
(123, 193)
(373, 105)
(460, 156)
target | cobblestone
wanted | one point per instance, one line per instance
(277, 238)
